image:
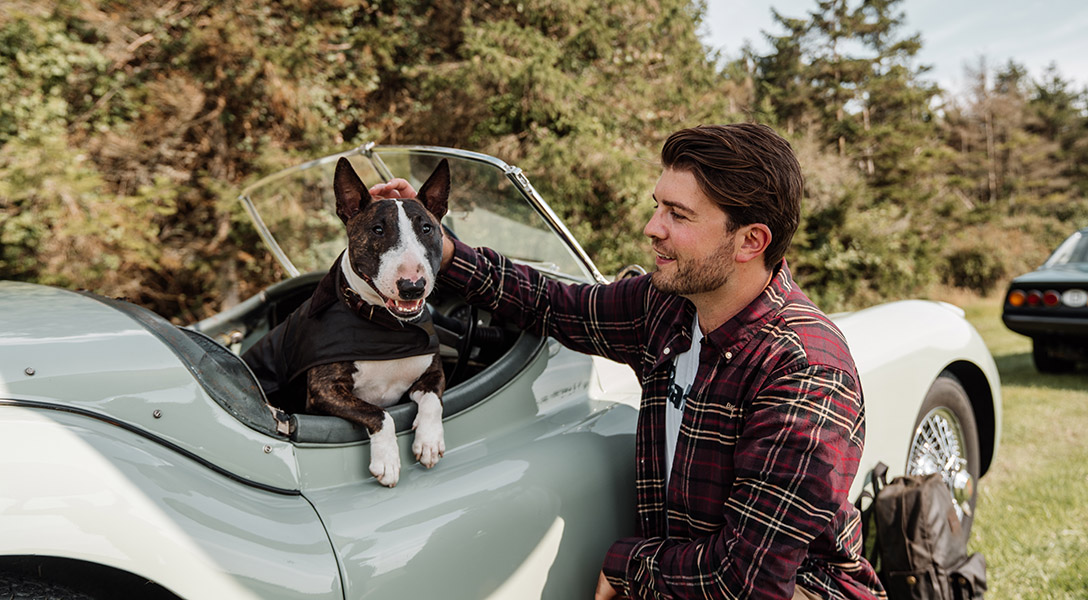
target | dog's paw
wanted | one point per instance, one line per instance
(430, 442)
(384, 455)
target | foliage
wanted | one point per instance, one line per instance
(127, 127)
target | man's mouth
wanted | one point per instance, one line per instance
(405, 309)
(663, 258)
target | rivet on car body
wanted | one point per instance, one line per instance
(157, 414)
(29, 371)
(268, 449)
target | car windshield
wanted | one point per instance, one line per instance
(1073, 250)
(491, 204)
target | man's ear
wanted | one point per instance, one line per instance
(754, 240)
(351, 194)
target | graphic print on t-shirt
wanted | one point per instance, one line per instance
(684, 368)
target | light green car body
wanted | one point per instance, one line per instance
(115, 454)
(118, 451)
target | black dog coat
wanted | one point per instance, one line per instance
(333, 325)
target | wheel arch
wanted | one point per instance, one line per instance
(981, 397)
(96, 580)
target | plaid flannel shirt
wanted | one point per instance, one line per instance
(769, 444)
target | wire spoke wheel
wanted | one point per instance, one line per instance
(946, 442)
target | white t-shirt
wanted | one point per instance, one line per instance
(686, 366)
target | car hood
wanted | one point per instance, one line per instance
(83, 354)
(1067, 273)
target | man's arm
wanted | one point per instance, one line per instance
(606, 320)
(793, 467)
(594, 319)
(447, 251)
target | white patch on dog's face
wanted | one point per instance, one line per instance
(407, 260)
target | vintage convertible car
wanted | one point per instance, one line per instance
(1050, 305)
(137, 457)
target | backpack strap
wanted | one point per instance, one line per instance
(870, 541)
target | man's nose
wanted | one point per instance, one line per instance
(653, 228)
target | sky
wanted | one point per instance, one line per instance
(955, 33)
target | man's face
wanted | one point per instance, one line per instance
(695, 250)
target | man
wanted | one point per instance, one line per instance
(751, 424)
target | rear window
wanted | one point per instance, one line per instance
(1073, 250)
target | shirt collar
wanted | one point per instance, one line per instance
(735, 332)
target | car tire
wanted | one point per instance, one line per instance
(946, 441)
(1045, 361)
(19, 587)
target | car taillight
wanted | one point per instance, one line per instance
(1075, 298)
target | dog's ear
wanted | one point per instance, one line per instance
(351, 194)
(435, 192)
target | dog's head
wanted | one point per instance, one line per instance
(394, 245)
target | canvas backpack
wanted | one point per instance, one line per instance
(913, 538)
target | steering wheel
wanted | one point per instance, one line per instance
(464, 344)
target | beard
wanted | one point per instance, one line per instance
(698, 276)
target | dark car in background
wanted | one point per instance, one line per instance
(1050, 305)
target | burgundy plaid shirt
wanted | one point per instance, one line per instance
(769, 444)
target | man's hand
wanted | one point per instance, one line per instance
(395, 188)
(605, 591)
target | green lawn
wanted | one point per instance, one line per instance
(1032, 514)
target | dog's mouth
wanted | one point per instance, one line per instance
(405, 309)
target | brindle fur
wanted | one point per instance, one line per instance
(328, 391)
(432, 380)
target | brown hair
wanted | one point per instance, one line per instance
(749, 171)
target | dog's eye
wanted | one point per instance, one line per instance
(378, 230)
(426, 228)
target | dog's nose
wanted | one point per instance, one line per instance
(411, 290)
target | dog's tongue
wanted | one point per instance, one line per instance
(401, 307)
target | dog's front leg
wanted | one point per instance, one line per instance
(329, 391)
(426, 392)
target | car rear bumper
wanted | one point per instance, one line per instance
(1039, 326)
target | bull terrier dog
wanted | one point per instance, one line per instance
(365, 338)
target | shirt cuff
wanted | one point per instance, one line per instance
(617, 560)
(462, 267)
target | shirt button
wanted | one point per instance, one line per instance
(728, 356)
(667, 351)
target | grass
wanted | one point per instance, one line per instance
(1032, 515)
